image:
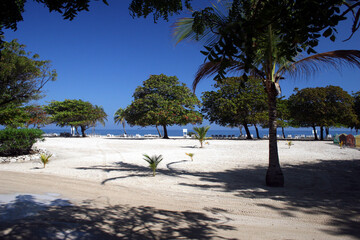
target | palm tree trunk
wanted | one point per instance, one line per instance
(124, 128)
(274, 175)
(248, 135)
(327, 132)
(257, 132)
(283, 132)
(165, 132)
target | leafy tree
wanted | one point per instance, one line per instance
(356, 123)
(119, 117)
(322, 106)
(22, 75)
(38, 117)
(251, 38)
(235, 103)
(76, 113)
(163, 101)
(201, 134)
(13, 116)
(283, 114)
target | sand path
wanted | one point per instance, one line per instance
(107, 191)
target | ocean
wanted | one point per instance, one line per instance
(179, 132)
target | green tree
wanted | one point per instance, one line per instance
(322, 107)
(283, 114)
(163, 101)
(201, 134)
(251, 38)
(356, 123)
(119, 117)
(76, 113)
(22, 75)
(14, 116)
(235, 103)
(38, 117)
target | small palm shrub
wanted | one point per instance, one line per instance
(191, 155)
(153, 161)
(201, 134)
(15, 142)
(289, 143)
(45, 158)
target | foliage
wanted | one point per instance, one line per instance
(201, 134)
(38, 117)
(76, 113)
(191, 155)
(356, 123)
(44, 158)
(11, 10)
(14, 142)
(22, 75)
(153, 161)
(163, 101)
(236, 102)
(119, 117)
(329, 106)
(13, 116)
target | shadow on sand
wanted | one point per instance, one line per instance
(25, 218)
(324, 187)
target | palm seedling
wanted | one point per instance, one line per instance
(191, 155)
(201, 134)
(289, 143)
(153, 161)
(45, 158)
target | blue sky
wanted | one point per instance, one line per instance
(104, 54)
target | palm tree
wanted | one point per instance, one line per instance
(269, 65)
(201, 134)
(153, 161)
(119, 117)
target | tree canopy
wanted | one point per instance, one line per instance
(329, 106)
(236, 102)
(76, 113)
(163, 101)
(22, 75)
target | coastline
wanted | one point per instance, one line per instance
(224, 182)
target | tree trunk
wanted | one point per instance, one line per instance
(124, 128)
(241, 133)
(315, 134)
(283, 132)
(248, 135)
(321, 133)
(327, 131)
(158, 131)
(274, 175)
(83, 131)
(257, 132)
(165, 132)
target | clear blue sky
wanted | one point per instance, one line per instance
(104, 54)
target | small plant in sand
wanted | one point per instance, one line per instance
(45, 158)
(201, 134)
(191, 155)
(153, 161)
(289, 143)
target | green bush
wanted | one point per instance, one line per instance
(14, 142)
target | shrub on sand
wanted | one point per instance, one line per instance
(153, 161)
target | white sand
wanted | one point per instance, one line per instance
(221, 194)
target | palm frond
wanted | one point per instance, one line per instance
(333, 59)
(210, 68)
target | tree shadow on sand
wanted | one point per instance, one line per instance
(85, 221)
(324, 187)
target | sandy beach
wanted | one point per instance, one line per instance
(101, 188)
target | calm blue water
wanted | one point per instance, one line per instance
(178, 132)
